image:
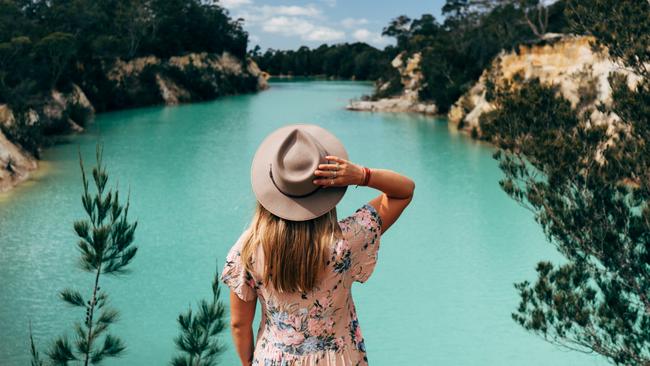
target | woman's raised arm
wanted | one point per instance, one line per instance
(397, 189)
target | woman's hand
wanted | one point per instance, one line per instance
(397, 189)
(338, 173)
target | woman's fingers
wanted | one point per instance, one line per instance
(327, 173)
(337, 174)
(336, 159)
(334, 182)
(329, 167)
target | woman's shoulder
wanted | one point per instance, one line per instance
(234, 273)
(365, 218)
(362, 231)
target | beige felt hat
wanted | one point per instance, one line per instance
(283, 167)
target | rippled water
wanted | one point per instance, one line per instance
(442, 291)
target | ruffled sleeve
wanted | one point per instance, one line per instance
(235, 276)
(364, 233)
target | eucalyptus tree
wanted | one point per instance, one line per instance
(400, 29)
(588, 185)
(536, 15)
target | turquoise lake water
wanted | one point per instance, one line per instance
(442, 292)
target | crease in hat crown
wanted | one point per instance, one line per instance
(292, 168)
(282, 171)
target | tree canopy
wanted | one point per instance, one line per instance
(588, 185)
(358, 61)
(43, 43)
(457, 50)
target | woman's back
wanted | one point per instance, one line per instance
(299, 174)
(318, 327)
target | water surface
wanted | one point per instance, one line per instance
(442, 292)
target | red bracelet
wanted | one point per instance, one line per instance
(363, 179)
(366, 176)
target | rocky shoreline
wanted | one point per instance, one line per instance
(15, 164)
(127, 84)
(565, 60)
(398, 105)
(408, 101)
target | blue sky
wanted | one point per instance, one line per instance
(285, 24)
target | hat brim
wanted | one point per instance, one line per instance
(291, 208)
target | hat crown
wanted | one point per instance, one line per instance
(292, 169)
(282, 172)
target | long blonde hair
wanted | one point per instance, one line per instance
(295, 252)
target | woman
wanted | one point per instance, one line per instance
(298, 260)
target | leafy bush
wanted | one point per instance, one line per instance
(589, 189)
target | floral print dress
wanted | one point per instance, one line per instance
(319, 327)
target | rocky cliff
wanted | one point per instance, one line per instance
(408, 101)
(58, 112)
(564, 60)
(193, 77)
(15, 164)
(120, 84)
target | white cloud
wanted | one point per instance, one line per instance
(295, 26)
(256, 15)
(364, 35)
(353, 22)
(293, 10)
(324, 34)
(308, 21)
(232, 4)
(287, 26)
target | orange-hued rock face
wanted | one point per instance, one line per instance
(127, 73)
(567, 61)
(15, 164)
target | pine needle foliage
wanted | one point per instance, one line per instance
(36, 358)
(106, 247)
(198, 341)
(588, 185)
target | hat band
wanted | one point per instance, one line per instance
(289, 194)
